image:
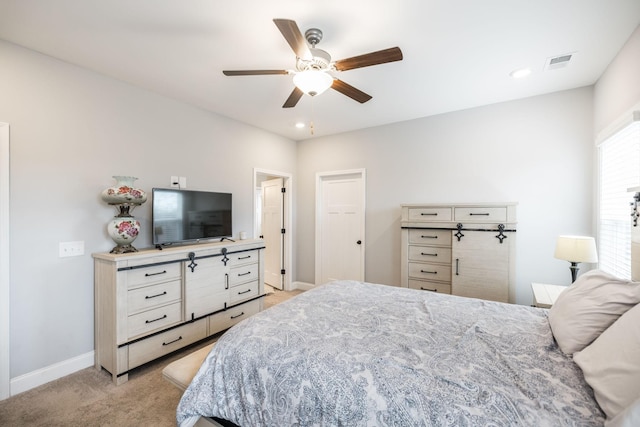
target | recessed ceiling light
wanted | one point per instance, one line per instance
(299, 125)
(520, 73)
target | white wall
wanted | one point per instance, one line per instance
(71, 131)
(537, 152)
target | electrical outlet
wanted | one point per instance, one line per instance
(71, 249)
(175, 183)
(183, 181)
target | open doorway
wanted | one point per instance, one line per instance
(272, 222)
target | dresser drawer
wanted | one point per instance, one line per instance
(480, 214)
(430, 286)
(158, 345)
(430, 271)
(241, 258)
(243, 292)
(437, 254)
(148, 297)
(430, 214)
(243, 274)
(427, 236)
(154, 274)
(226, 319)
(153, 320)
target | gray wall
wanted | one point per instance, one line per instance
(71, 131)
(536, 151)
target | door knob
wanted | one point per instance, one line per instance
(359, 242)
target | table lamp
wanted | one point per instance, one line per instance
(576, 249)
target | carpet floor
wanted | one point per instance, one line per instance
(89, 397)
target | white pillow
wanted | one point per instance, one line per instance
(588, 307)
(630, 417)
(611, 365)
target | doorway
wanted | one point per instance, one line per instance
(340, 225)
(272, 222)
(5, 390)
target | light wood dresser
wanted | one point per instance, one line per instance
(153, 302)
(461, 249)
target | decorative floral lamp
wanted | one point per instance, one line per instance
(124, 228)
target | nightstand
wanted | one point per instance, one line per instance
(544, 295)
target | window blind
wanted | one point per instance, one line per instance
(619, 169)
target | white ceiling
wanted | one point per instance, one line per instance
(457, 53)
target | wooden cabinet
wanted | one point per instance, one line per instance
(462, 249)
(153, 302)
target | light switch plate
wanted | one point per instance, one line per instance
(68, 249)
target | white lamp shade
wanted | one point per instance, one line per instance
(313, 82)
(576, 249)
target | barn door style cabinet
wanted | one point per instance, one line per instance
(153, 302)
(461, 249)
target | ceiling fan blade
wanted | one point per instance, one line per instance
(374, 58)
(294, 37)
(350, 91)
(253, 72)
(293, 98)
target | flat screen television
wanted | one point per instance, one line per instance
(182, 216)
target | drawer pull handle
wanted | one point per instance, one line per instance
(427, 289)
(155, 296)
(171, 342)
(155, 320)
(478, 214)
(244, 292)
(429, 272)
(244, 274)
(425, 254)
(428, 214)
(429, 237)
(457, 266)
(237, 315)
(244, 257)
(155, 274)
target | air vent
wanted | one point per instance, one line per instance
(560, 61)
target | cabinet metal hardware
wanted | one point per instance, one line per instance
(155, 320)
(429, 272)
(459, 234)
(237, 315)
(634, 209)
(429, 237)
(244, 274)
(155, 274)
(224, 259)
(425, 254)
(501, 236)
(457, 265)
(193, 265)
(244, 292)
(479, 214)
(244, 257)
(171, 342)
(155, 296)
(428, 214)
(226, 280)
(359, 242)
(427, 289)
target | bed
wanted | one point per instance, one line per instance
(359, 354)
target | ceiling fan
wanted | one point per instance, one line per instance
(311, 75)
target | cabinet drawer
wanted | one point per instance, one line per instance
(243, 274)
(242, 258)
(226, 319)
(243, 292)
(430, 214)
(148, 297)
(166, 342)
(480, 214)
(154, 274)
(152, 320)
(430, 286)
(430, 271)
(428, 236)
(437, 254)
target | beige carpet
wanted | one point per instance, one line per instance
(89, 397)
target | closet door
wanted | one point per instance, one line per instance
(480, 265)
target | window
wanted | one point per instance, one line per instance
(619, 170)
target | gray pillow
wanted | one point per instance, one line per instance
(611, 366)
(588, 307)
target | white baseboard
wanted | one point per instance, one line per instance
(49, 373)
(303, 285)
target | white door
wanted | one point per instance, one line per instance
(272, 226)
(340, 226)
(4, 262)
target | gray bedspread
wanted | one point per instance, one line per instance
(358, 354)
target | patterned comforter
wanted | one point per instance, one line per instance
(359, 354)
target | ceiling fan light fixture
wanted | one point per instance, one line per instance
(312, 82)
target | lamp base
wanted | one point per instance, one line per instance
(574, 271)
